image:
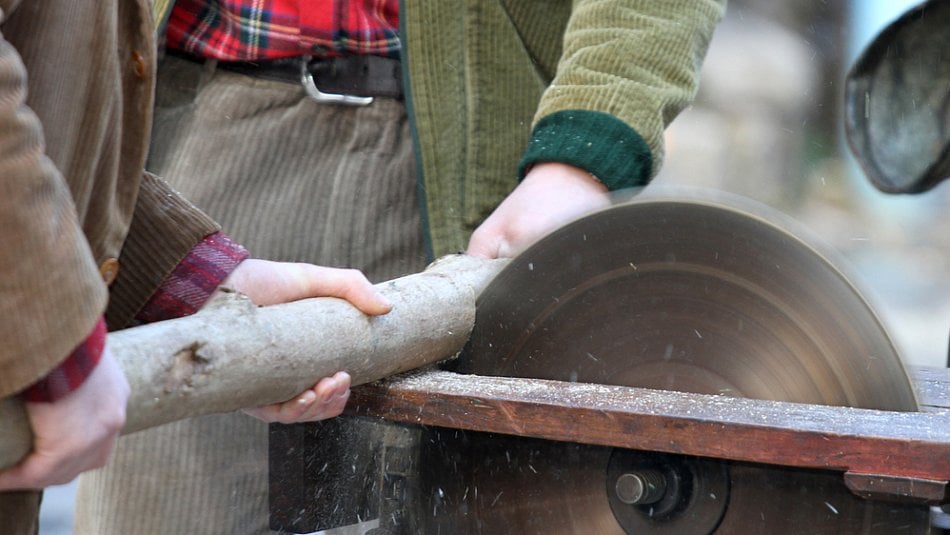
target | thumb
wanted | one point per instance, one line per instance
(349, 284)
(485, 243)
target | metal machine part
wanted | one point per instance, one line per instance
(480, 483)
(666, 494)
(678, 294)
(897, 106)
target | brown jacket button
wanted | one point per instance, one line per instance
(138, 64)
(109, 269)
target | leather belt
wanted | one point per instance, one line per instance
(349, 80)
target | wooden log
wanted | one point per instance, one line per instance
(233, 355)
(902, 454)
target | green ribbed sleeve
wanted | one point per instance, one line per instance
(600, 143)
(637, 61)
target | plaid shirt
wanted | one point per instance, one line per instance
(248, 30)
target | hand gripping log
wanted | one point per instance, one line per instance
(233, 355)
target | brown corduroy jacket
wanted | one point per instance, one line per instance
(81, 223)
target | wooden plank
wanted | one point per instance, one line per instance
(885, 444)
(872, 486)
(932, 386)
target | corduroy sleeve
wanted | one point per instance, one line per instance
(165, 228)
(627, 69)
(45, 260)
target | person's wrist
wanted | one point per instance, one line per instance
(192, 283)
(567, 174)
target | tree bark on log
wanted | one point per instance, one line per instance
(233, 354)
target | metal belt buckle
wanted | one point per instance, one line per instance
(310, 86)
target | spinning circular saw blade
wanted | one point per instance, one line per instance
(676, 293)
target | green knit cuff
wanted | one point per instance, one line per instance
(597, 142)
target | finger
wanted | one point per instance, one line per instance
(509, 249)
(367, 299)
(488, 239)
(325, 400)
(349, 284)
(304, 408)
(331, 409)
(41, 470)
(330, 387)
(266, 413)
(297, 409)
(484, 243)
(328, 400)
(309, 280)
(270, 283)
(479, 249)
(327, 409)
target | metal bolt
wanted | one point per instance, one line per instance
(641, 487)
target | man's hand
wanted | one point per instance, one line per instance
(551, 195)
(75, 433)
(270, 283)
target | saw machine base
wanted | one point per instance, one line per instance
(843, 469)
(894, 456)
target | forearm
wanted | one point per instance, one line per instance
(627, 69)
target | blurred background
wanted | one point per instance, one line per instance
(767, 125)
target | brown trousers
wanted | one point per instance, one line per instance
(292, 180)
(19, 512)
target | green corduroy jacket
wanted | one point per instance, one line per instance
(496, 85)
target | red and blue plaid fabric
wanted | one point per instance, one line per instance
(186, 289)
(72, 372)
(235, 30)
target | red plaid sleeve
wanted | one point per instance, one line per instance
(69, 375)
(193, 281)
